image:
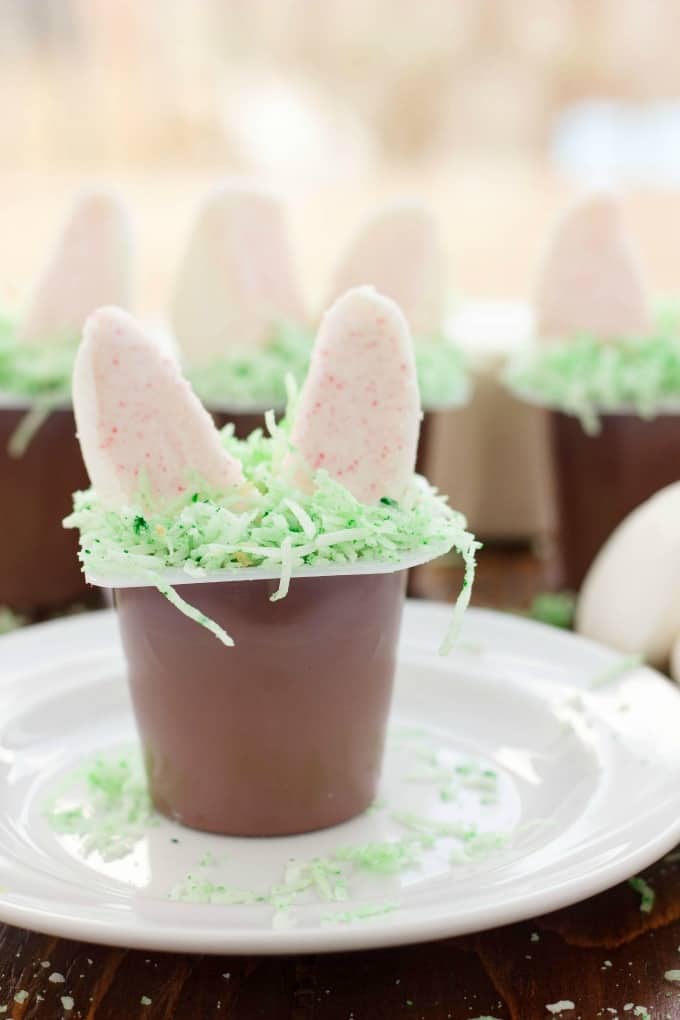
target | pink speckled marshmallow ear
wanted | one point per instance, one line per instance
(358, 415)
(140, 425)
(237, 279)
(590, 280)
(89, 266)
(398, 252)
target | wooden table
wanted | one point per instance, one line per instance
(604, 954)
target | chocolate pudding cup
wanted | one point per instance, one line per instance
(601, 478)
(282, 733)
(244, 422)
(40, 570)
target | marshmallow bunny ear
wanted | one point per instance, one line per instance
(590, 280)
(358, 415)
(89, 266)
(237, 279)
(142, 430)
(398, 252)
(630, 598)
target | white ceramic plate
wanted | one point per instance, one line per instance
(585, 779)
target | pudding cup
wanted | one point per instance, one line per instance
(601, 478)
(40, 569)
(282, 733)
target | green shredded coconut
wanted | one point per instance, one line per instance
(614, 672)
(282, 529)
(559, 1007)
(587, 377)
(673, 976)
(116, 810)
(145, 1001)
(647, 894)
(105, 804)
(387, 858)
(256, 376)
(555, 608)
(20, 996)
(67, 1002)
(41, 373)
(442, 370)
(359, 914)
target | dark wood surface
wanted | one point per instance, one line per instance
(603, 954)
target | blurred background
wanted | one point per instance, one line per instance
(495, 111)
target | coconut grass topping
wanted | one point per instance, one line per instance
(443, 377)
(38, 373)
(586, 377)
(256, 377)
(34, 370)
(278, 526)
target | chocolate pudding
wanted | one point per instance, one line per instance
(600, 479)
(40, 569)
(284, 732)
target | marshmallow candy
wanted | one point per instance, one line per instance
(359, 409)
(590, 280)
(630, 598)
(142, 430)
(89, 266)
(236, 281)
(398, 252)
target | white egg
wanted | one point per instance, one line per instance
(631, 596)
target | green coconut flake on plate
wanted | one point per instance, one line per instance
(387, 858)
(586, 377)
(105, 804)
(363, 913)
(281, 528)
(626, 664)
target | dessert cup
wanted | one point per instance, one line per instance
(40, 570)
(283, 732)
(601, 478)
